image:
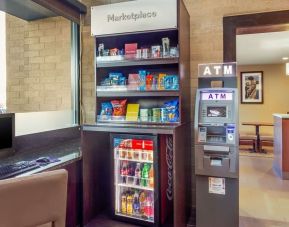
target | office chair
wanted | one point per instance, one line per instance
(36, 200)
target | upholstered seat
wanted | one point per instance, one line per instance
(248, 140)
(36, 200)
(266, 141)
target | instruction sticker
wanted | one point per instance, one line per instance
(217, 185)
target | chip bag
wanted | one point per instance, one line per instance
(172, 110)
(119, 107)
(106, 109)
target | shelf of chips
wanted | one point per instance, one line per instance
(116, 111)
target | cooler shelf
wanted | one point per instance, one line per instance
(135, 160)
(135, 187)
(135, 217)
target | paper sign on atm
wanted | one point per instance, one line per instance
(217, 185)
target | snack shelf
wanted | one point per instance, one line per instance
(136, 93)
(136, 62)
(122, 119)
(135, 186)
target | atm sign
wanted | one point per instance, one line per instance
(217, 96)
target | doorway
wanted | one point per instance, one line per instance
(263, 196)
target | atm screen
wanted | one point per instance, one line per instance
(216, 111)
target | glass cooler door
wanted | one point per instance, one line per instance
(134, 177)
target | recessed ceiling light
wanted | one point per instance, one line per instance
(285, 58)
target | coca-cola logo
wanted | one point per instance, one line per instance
(169, 159)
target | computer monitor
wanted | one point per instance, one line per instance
(7, 134)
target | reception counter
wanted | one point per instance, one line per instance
(281, 145)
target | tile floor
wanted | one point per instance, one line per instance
(264, 198)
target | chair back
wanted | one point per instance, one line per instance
(34, 200)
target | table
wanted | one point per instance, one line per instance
(257, 132)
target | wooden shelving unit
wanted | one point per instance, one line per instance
(146, 98)
(97, 158)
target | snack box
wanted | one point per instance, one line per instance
(130, 48)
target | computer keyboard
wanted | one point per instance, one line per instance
(11, 170)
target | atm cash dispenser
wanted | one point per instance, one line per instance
(216, 157)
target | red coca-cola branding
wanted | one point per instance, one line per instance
(126, 143)
(166, 181)
(137, 144)
(169, 159)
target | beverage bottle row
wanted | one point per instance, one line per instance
(137, 174)
(138, 203)
(145, 155)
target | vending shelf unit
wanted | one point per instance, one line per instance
(98, 160)
(147, 98)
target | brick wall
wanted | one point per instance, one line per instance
(38, 64)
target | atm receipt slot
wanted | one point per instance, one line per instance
(220, 149)
(216, 162)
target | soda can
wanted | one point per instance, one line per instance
(145, 53)
(138, 53)
(144, 114)
(156, 116)
(164, 115)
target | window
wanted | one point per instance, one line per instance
(41, 73)
(3, 61)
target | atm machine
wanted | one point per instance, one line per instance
(216, 157)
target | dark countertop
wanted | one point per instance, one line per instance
(70, 149)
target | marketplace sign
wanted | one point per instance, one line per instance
(133, 16)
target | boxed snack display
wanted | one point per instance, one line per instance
(130, 48)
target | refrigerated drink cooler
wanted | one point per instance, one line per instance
(136, 181)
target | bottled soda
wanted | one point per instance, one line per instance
(129, 204)
(130, 173)
(148, 208)
(136, 205)
(145, 175)
(124, 171)
(129, 154)
(142, 198)
(137, 174)
(123, 203)
(151, 177)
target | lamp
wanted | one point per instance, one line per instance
(287, 69)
